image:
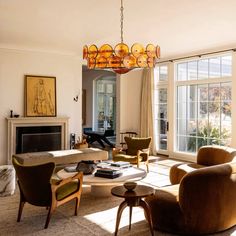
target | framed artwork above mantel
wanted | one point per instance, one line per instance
(40, 96)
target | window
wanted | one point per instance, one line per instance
(203, 103)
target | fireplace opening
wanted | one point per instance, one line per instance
(38, 139)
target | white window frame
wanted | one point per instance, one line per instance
(171, 111)
(174, 153)
(160, 85)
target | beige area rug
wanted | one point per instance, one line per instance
(96, 215)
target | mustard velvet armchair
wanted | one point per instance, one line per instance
(206, 156)
(137, 151)
(203, 202)
(37, 188)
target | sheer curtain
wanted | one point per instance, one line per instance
(146, 110)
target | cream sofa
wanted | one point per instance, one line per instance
(61, 157)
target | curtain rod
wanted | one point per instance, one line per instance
(197, 55)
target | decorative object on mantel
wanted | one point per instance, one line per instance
(40, 96)
(15, 115)
(121, 59)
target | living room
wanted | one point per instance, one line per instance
(46, 39)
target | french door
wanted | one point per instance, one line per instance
(161, 109)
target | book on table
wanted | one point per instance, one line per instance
(108, 173)
(121, 164)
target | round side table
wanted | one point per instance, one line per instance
(132, 199)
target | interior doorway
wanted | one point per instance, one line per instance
(100, 89)
(105, 104)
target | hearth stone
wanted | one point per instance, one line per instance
(7, 180)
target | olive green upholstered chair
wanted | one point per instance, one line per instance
(137, 151)
(37, 188)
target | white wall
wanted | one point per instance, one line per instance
(129, 99)
(14, 64)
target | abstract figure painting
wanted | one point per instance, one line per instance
(40, 96)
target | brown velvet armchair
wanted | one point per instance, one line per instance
(203, 202)
(137, 151)
(37, 188)
(206, 156)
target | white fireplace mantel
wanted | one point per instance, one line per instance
(13, 123)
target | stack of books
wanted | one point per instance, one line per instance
(121, 164)
(108, 173)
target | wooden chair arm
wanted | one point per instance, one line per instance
(58, 184)
(147, 150)
(144, 153)
(116, 151)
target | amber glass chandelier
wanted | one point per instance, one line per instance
(121, 59)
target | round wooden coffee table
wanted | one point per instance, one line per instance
(132, 199)
(102, 186)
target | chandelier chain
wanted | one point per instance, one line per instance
(121, 20)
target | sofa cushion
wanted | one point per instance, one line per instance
(66, 190)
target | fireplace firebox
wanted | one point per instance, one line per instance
(38, 138)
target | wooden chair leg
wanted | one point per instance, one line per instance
(147, 167)
(77, 201)
(48, 217)
(138, 164)
(21, 205)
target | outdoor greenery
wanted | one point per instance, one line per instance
(207, 135)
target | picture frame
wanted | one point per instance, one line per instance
(40, 96)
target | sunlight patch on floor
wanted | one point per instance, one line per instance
(107, 219)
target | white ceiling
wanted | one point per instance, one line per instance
(180, 27)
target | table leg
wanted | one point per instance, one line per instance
(130, 216)
(122, 206)
(107, 141)
(147, 210)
